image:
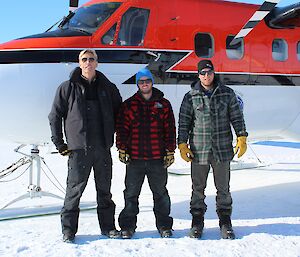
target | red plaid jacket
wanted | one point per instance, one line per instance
(146, 129)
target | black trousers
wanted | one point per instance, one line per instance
(80, 164)
(157, 176)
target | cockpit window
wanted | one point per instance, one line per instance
(133, 27)
(298, 50)
(89, 18)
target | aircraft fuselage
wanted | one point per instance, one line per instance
(170, 40)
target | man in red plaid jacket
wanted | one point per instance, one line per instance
(146, 139)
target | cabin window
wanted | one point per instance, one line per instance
(279, 50)
(204, 45)
(234, 51)
(298, 50)
(108, 37)
(133, 27)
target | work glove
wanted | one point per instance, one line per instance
(241, 146)
(185, 152)
(64, 151)
(169, 159)
(123, 156)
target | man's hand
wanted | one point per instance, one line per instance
(241, 146)
(64, 151)
(168, 159)
(185, 152)
(123, 156)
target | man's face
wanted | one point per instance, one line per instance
(88, 63)
(206, 77)
(145, 85)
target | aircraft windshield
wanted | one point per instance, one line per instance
(89, 18)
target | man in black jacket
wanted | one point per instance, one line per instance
(85, 108)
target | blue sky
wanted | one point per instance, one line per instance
(26, 17)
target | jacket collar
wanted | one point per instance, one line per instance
(198, 89)
(156, 95)
(76, 75)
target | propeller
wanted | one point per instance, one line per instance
(261, 13)
(73, 5)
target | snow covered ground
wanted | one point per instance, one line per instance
(266, 212)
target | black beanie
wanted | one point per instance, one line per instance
(205, 64)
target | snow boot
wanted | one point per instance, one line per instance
(69, 238)
(165, 232)
(196, 232)
(225, 224)
(227, 232)
(111, 233)
(197, 227)
(127, 234)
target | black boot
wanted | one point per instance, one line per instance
(225, 224)
(69, 238)
(165, 232)
(113, 233)
(197, 227)
(127, 234)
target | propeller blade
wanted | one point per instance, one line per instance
(73, 5)
(261, 13)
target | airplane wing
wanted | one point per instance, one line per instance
(284, 17)
(261, 13)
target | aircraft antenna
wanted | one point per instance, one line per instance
(73, 5)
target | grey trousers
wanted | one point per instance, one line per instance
(221, 173)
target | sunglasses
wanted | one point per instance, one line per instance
(208, 72)
(85, 59)
(147, 81)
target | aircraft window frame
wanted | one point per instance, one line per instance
(298, 50)
(282, 54)
(108, 37)
(204, 45)
(236, 51)
(131, 32)
(89, 18)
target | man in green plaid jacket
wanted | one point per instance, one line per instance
(206, 115)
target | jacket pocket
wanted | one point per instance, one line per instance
(220, 109)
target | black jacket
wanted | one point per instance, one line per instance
(69, 110)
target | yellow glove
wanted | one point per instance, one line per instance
(185, 152)
(168, 159)
(241, 146)
(123, 156)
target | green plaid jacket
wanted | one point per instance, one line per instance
(205, 123)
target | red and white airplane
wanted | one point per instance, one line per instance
(262, 66)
